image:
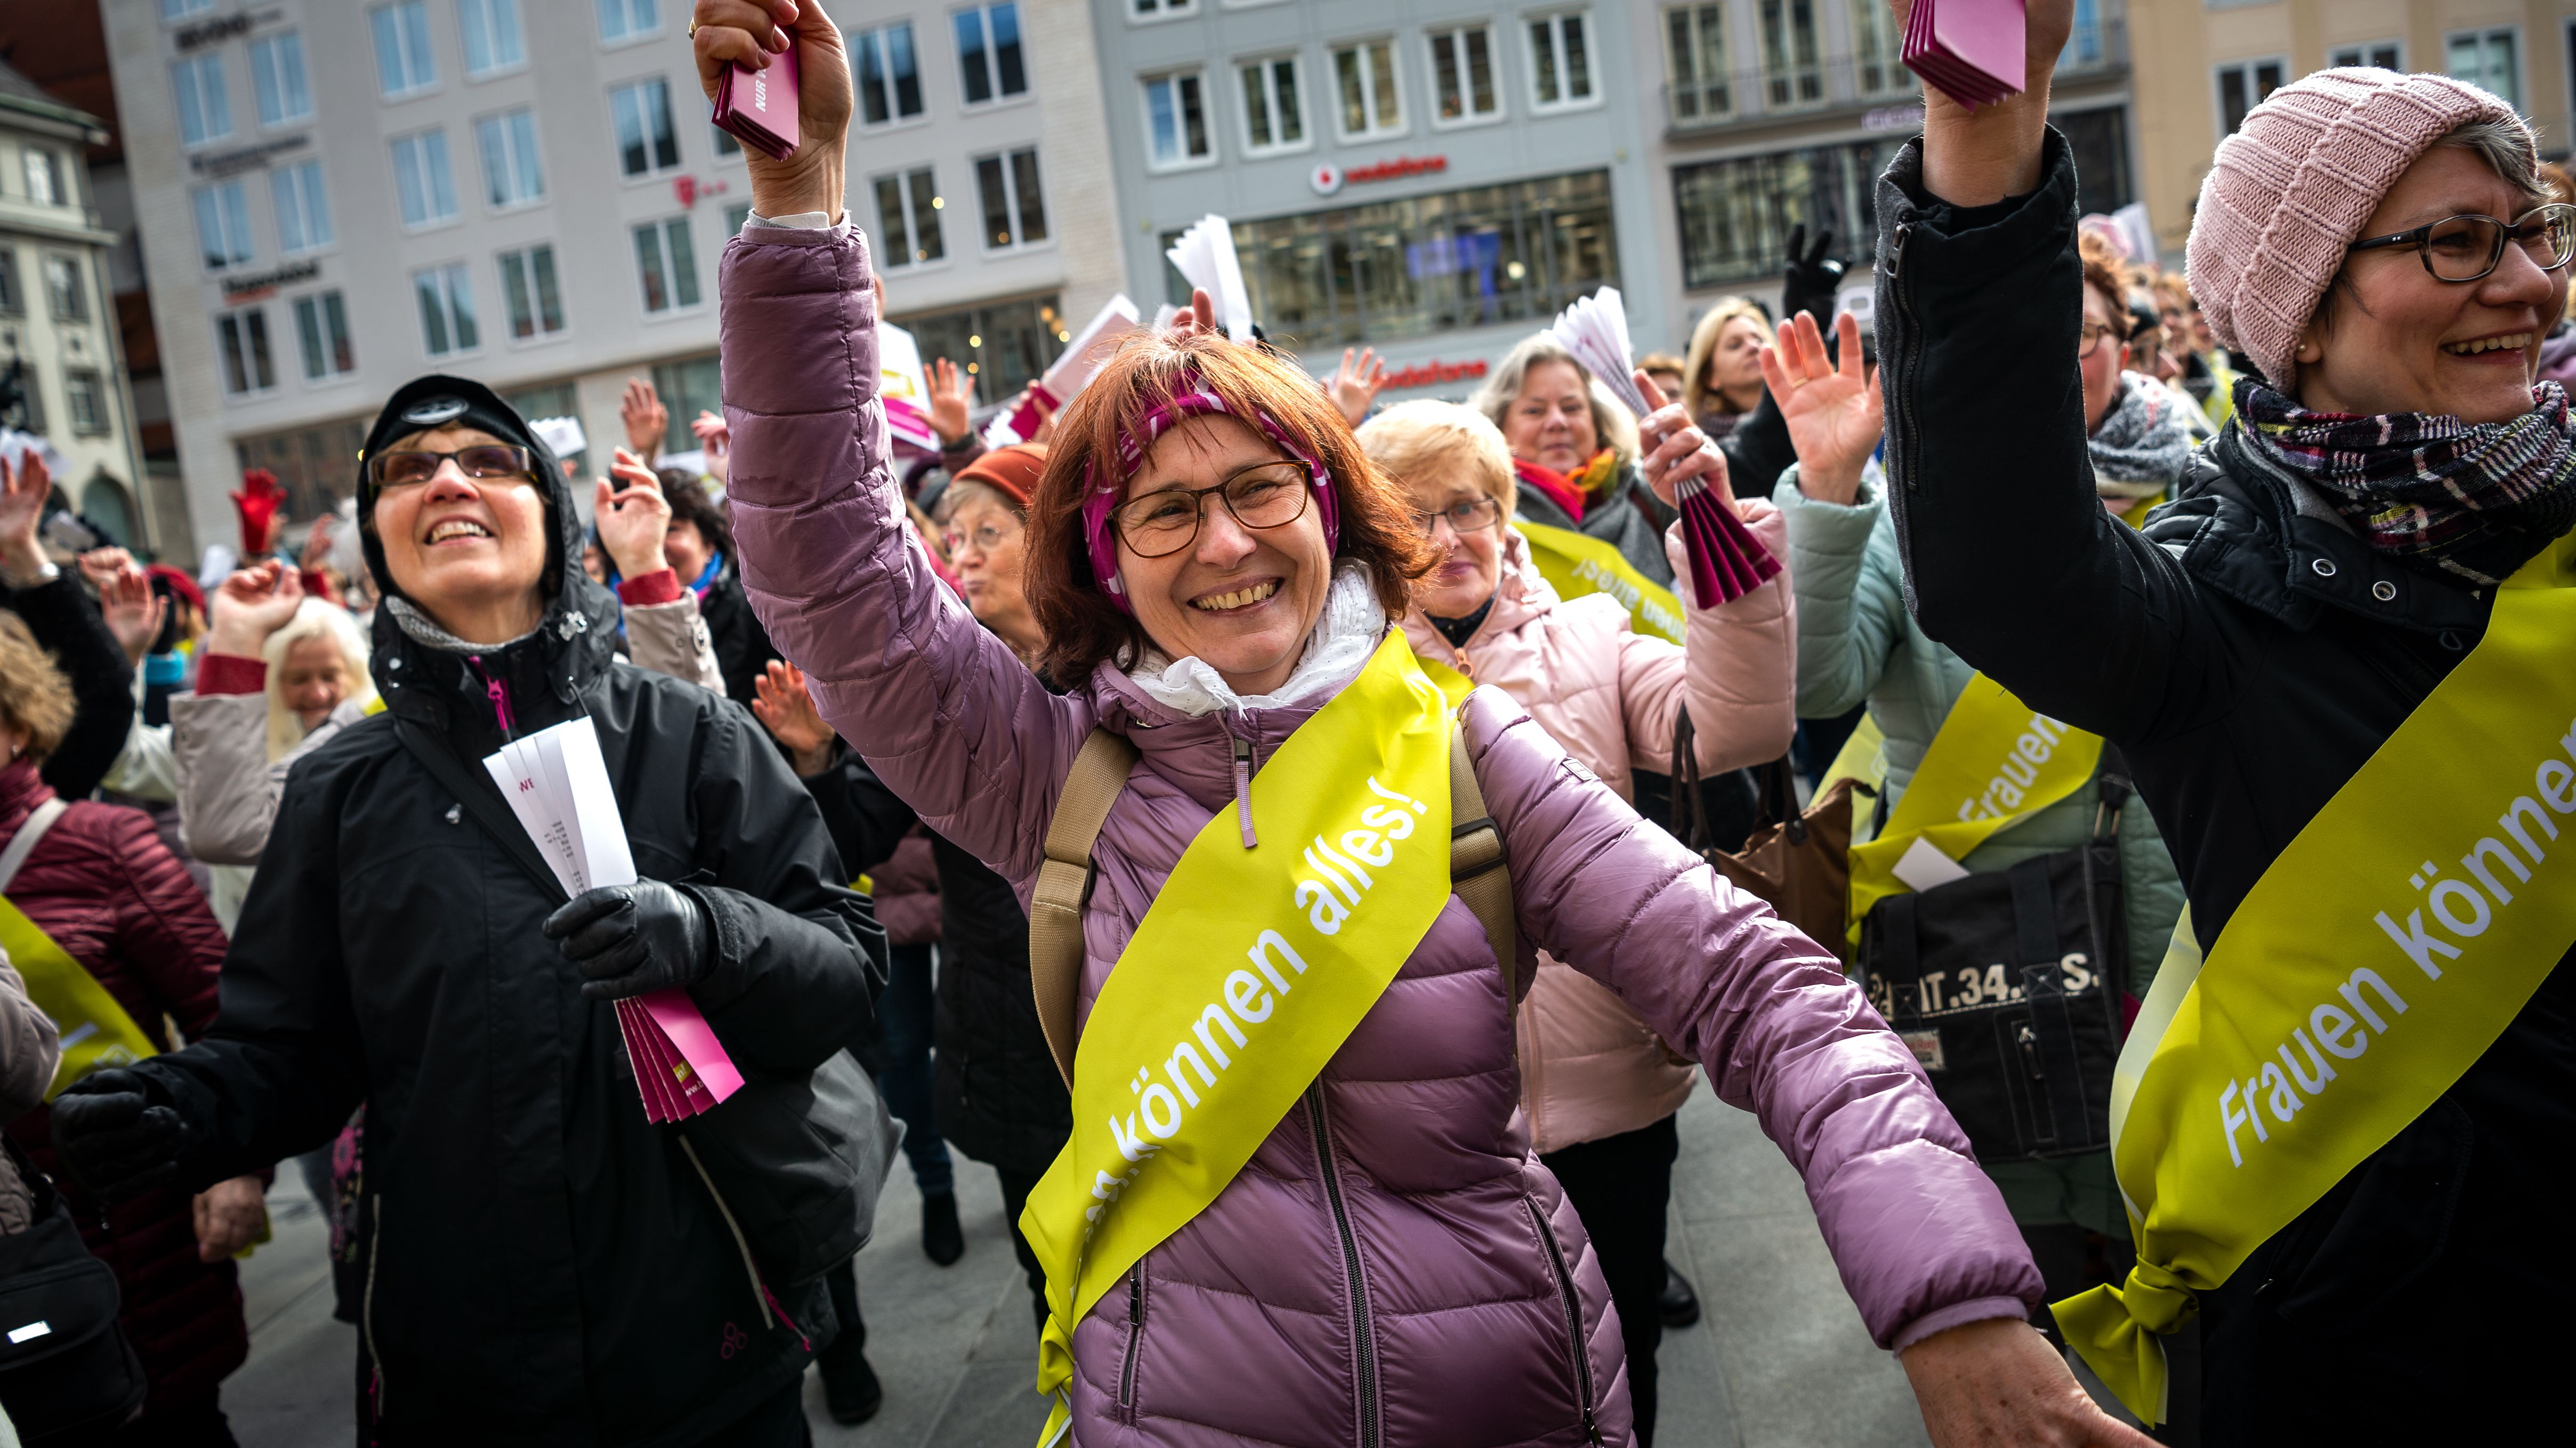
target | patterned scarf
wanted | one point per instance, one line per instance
(2472, 501)
(2145, 442)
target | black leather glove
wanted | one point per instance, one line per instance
(631, 939)
(112, 1139)
(1812, 278)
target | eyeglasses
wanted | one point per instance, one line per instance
(482, 462)
(982, 540)
(1466, 516)
(2468, 248)
(1265, 495)
(2090, 338)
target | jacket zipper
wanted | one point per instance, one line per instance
(1135, 1341)
(1363, 1336)
(367, 1311)
(1242, 750)
(495, 692)
(1573, 1319)
(1904, 398)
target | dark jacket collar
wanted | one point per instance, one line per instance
(546, 673)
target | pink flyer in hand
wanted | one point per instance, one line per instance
(1974, 50)
(703, 1070)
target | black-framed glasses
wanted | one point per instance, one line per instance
(1265, 495)
(1467, 515)
(2089, 339)
(2467, 248)
(481, 462)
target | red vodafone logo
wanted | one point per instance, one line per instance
(1325, 178)
(1426, 374)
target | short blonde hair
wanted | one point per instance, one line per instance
(1612, 427)
(1703, 347)
(315, 618)
(34, 695)
(1427, 437)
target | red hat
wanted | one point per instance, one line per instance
(1013, 470)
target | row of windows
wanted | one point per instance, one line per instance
(1365, 90)
(85, 397)
(2491, 58)
(1706, 86)
(909, 208)
(991, 67)
(66, 286)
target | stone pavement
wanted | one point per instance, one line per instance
(1779, 1358)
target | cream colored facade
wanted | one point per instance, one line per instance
(2193, 57)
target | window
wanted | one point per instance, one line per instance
(1735, 215)
(667, 265)
(1003, 345)
(528, 286)
(646, 143)
(2385, 54)
(1274, 111)
(2486, 58)
(494, 40)
(1878, 51)
(446, 297)
(277, 79)
(1014, 209)
(303, 213)
(241, 340)
(511, 174)
(31, 396)
(1370, 106)
(1462, 71)
(2243, 86)
(1560, 62)
(1160, 9)
(626, 19)
(48, 184)
(1790, 75)
(85, 397)
(726, 143)
(204, 114)
(908, 209)
(66, 295)
(223, 225)
(322, 333)
(1701, 87)
(421, 180)
(737, 215)
(1176, 131)
(889, 74)
(988, 51)
(13, 301)
(403, 62)
(182, 9)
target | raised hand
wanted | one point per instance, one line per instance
(1672, 449)
(1356, 384)
(632, 515)
(126, 601)
(23, 491)
(951, 393)
(261, 506)
(715, 440)
(1199, 316)
(1835, 416)
(1977, 158)
(785, 707)
(646, 419)
(252, 604)
(753, 33)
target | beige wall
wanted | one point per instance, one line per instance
(2179, 44)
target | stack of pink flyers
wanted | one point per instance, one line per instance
(759, 106)
(557, 785)
(1972, 49)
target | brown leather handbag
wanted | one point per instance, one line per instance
(1796, 861)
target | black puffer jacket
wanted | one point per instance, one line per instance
(543, 1265)
(743, 649)
(2250, 655)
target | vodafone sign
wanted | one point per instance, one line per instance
(1328, 178)
(1427, 374)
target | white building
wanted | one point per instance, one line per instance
(335, 197)
(57, 327)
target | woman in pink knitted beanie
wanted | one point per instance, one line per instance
(2325, 698)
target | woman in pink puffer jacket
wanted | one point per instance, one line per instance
(1599, 1086)
(1393, 1265)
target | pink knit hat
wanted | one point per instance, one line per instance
(2293, 187)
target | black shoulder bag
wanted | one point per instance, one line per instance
(2007, 987)
(67, 1374)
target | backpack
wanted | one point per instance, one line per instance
(1099, 774)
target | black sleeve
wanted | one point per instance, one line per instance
(2010, 559)
(865, 818)
(66, 623)
(799, 956)
(1758, 450)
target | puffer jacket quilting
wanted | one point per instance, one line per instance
(1248, 1332)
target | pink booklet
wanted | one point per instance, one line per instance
(1972, 49)
(759, 106)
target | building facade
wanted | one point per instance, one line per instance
(335, 196)
(1431, 178)
(61, 371)
(2203, 63)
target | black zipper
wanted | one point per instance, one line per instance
(367, 1313)
(1135, 1341)
(1904, 431)
(1363, 1337)
(1573, 1319)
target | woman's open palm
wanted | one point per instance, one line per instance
(1834, 413)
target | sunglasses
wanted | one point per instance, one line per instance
(482, 462)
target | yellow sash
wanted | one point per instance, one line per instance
(1994, 762)
(96, 1032)
(1575, 564)
(1245, 976)
(2376, 959)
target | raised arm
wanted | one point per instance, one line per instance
(1736, 670)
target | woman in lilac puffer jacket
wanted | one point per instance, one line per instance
(1393, 1265)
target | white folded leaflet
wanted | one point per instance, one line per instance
(1205, 258)
(1595, 330)
(1081, 360)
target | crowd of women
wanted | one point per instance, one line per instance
(1337, 741)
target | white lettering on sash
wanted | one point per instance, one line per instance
(2016, 771)
(2368, 1006)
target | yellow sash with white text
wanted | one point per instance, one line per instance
(2375, 961)
(1247, 973)
(96, 1032)
(1575, 564)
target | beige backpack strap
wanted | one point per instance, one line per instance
(1477, 866)
(1099, 774)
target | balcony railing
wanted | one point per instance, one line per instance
(1850, 82)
